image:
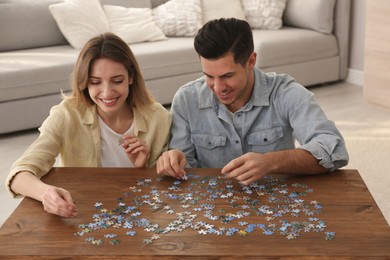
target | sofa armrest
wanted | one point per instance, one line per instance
(341, 30)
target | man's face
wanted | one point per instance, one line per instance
(232, 83)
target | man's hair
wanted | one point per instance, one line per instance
(218, 37)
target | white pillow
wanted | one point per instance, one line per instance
(264, 14)
(179, 17)
(79, 20)
(215, 9)
(133, 24)
(316, 14)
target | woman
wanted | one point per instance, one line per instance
(109, 120)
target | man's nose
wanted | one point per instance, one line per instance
(219, 85)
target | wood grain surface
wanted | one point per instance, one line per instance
(347, 207)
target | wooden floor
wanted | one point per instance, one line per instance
(365, 127)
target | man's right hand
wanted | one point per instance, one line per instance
(172, 163)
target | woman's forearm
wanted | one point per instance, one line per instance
(27, 184)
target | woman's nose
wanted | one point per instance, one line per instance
(106, 89)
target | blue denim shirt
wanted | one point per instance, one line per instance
(279, 112)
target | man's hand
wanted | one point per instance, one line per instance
(247, 168)
(251, 167)
(136, 149)
(172, 163)
(58, 201)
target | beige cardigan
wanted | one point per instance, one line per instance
(74, 134)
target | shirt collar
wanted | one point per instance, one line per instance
(90, 117)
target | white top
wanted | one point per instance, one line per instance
(113, 154)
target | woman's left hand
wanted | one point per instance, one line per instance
(136, 149)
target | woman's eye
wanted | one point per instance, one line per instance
(93, 82)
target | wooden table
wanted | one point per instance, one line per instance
(347, 207)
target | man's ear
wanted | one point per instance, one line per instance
(252, 60)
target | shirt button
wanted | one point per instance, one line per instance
(265, 139)
(237, 142)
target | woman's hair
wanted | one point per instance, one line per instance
(221, 36)
(111, 47)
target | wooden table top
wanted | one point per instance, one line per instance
(133, 213)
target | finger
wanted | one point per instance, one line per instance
(58, 201)
(137, 149)
(128, 136)
(71, 207)
(168, 168)
(234, 168)
(127, 144)
(250, 176)
(159, 168)
(62, 208)
(249, 180)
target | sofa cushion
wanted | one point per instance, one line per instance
(45, 71)
(80, 20)
(318, 14)
(264, 14)
(128, 3)
(35, 72)
(215, 9)
(292, 45)
(163, 59)
(133, 24)
(156, 3)
(27, 31)
(179, 17)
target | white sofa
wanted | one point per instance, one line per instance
(36, 60)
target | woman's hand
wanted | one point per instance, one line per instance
(54, 200)
(58, 201)
(136, 149)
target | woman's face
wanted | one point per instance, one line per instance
(108, 86)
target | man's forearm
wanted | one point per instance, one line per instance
(296, 161)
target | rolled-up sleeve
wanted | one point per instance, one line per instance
(314, 131)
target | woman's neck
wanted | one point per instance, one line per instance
(119, 122)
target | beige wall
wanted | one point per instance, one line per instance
(357, 35)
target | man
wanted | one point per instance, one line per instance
(243, 120)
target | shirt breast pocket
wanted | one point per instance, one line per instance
(210, 149)
(208, 141)
(266, 137)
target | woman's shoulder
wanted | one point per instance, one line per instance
(156, 112)
(68, 108)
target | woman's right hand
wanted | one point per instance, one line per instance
(59, 201)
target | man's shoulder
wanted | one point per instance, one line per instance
(192, 86)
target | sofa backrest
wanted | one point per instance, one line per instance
(20, 28)
(316, 15)
(325, 16)
(26, 24)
